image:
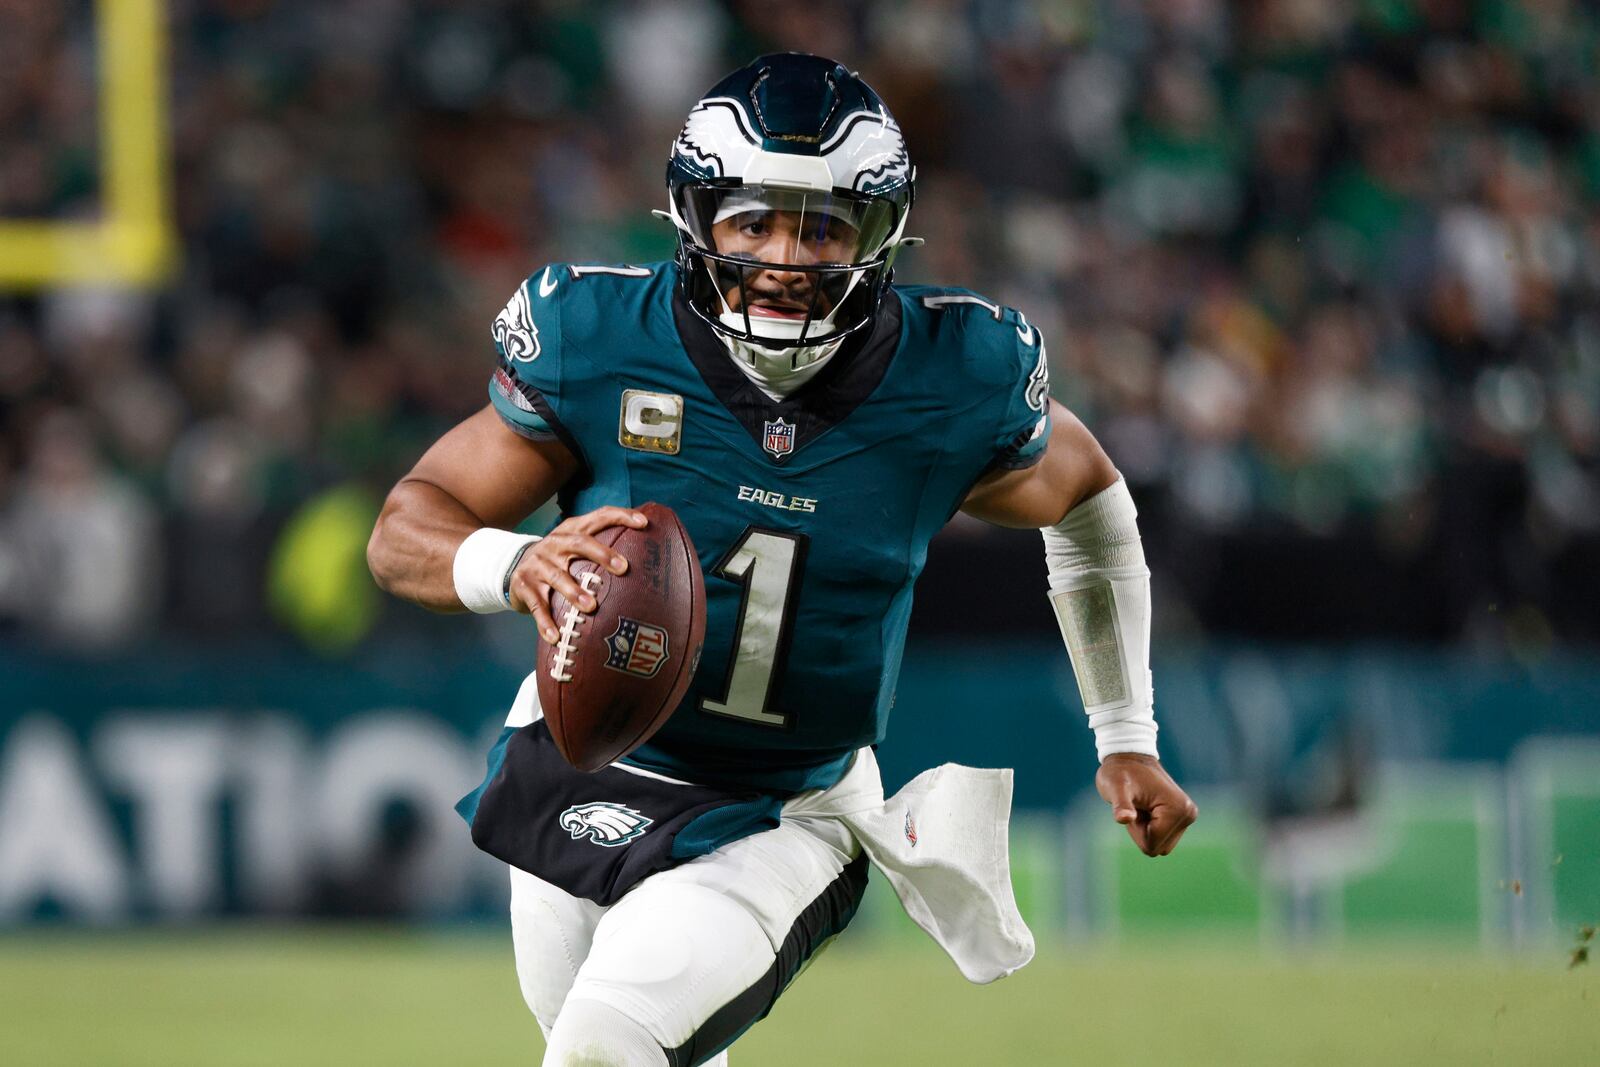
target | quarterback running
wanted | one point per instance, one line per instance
(813, 426)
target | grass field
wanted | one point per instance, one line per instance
(355, 996)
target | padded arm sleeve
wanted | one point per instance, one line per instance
(1100, 590)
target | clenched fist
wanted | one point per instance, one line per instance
(1145, 799)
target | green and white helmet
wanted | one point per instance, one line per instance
(790, 187)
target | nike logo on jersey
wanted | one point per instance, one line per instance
(777, 500)
(547, 284)
(1025, 331)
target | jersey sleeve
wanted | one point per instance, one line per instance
(527, 385)
(1023, 431)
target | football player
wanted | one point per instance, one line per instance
(813, 426)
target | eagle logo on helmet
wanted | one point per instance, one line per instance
(866, 152)
(605, 823)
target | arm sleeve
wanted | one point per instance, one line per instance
(1024, 428)
(1100, 590)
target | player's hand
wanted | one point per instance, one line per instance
(1145, 799)
(545, 566)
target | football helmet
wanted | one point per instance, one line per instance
(790, 187)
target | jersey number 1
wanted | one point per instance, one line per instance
(767, 563)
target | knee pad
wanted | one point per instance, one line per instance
(550, 932)
(591, 1034)
(671, 957)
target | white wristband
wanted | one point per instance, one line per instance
(483, 565)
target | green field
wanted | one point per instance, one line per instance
(342, 996)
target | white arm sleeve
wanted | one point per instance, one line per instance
(1100, 589)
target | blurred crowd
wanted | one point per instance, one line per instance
(1323, 275)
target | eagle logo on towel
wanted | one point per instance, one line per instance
(604, 823)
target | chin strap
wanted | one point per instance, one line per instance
(779, 371)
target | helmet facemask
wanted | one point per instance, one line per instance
(784, 272)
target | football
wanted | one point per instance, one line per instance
(614, 676)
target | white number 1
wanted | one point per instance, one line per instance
(767, 563)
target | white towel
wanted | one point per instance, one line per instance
(943, 844)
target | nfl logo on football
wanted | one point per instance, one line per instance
(779, 438)
(637, 648)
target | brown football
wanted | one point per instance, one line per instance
(616, 674)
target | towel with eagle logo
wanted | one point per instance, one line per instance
(597, 835)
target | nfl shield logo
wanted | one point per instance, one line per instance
(779, 438)
(637, 648)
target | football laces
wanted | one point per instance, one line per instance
(566, 651)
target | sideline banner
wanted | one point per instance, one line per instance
(183, 784)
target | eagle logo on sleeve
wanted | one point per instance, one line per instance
(514, 330)
(1038, 390)
(605, 823)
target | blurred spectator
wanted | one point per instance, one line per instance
(83, 561)
(1323, 276)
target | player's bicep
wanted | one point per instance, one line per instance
(1073, 468)
(495, 472)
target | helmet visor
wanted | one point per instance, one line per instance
(787, 226)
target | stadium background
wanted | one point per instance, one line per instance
(1322, 276)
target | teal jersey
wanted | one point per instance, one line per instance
(811, 515)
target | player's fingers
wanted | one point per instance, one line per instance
(586, 547)
(1139, 830)
(600, 518)
(1190, 813)
(1117, 793)
(1164, 832)
(547, 626)
(1172, 841)
(533, 598)
(561, 580)
(1137, 822)
(1167, 824)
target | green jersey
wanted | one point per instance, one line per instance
(811, 514)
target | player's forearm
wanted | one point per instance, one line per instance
(413, 546)
(1100, 589)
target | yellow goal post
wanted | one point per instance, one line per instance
(132, 242)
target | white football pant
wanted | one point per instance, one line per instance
(693, 955)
